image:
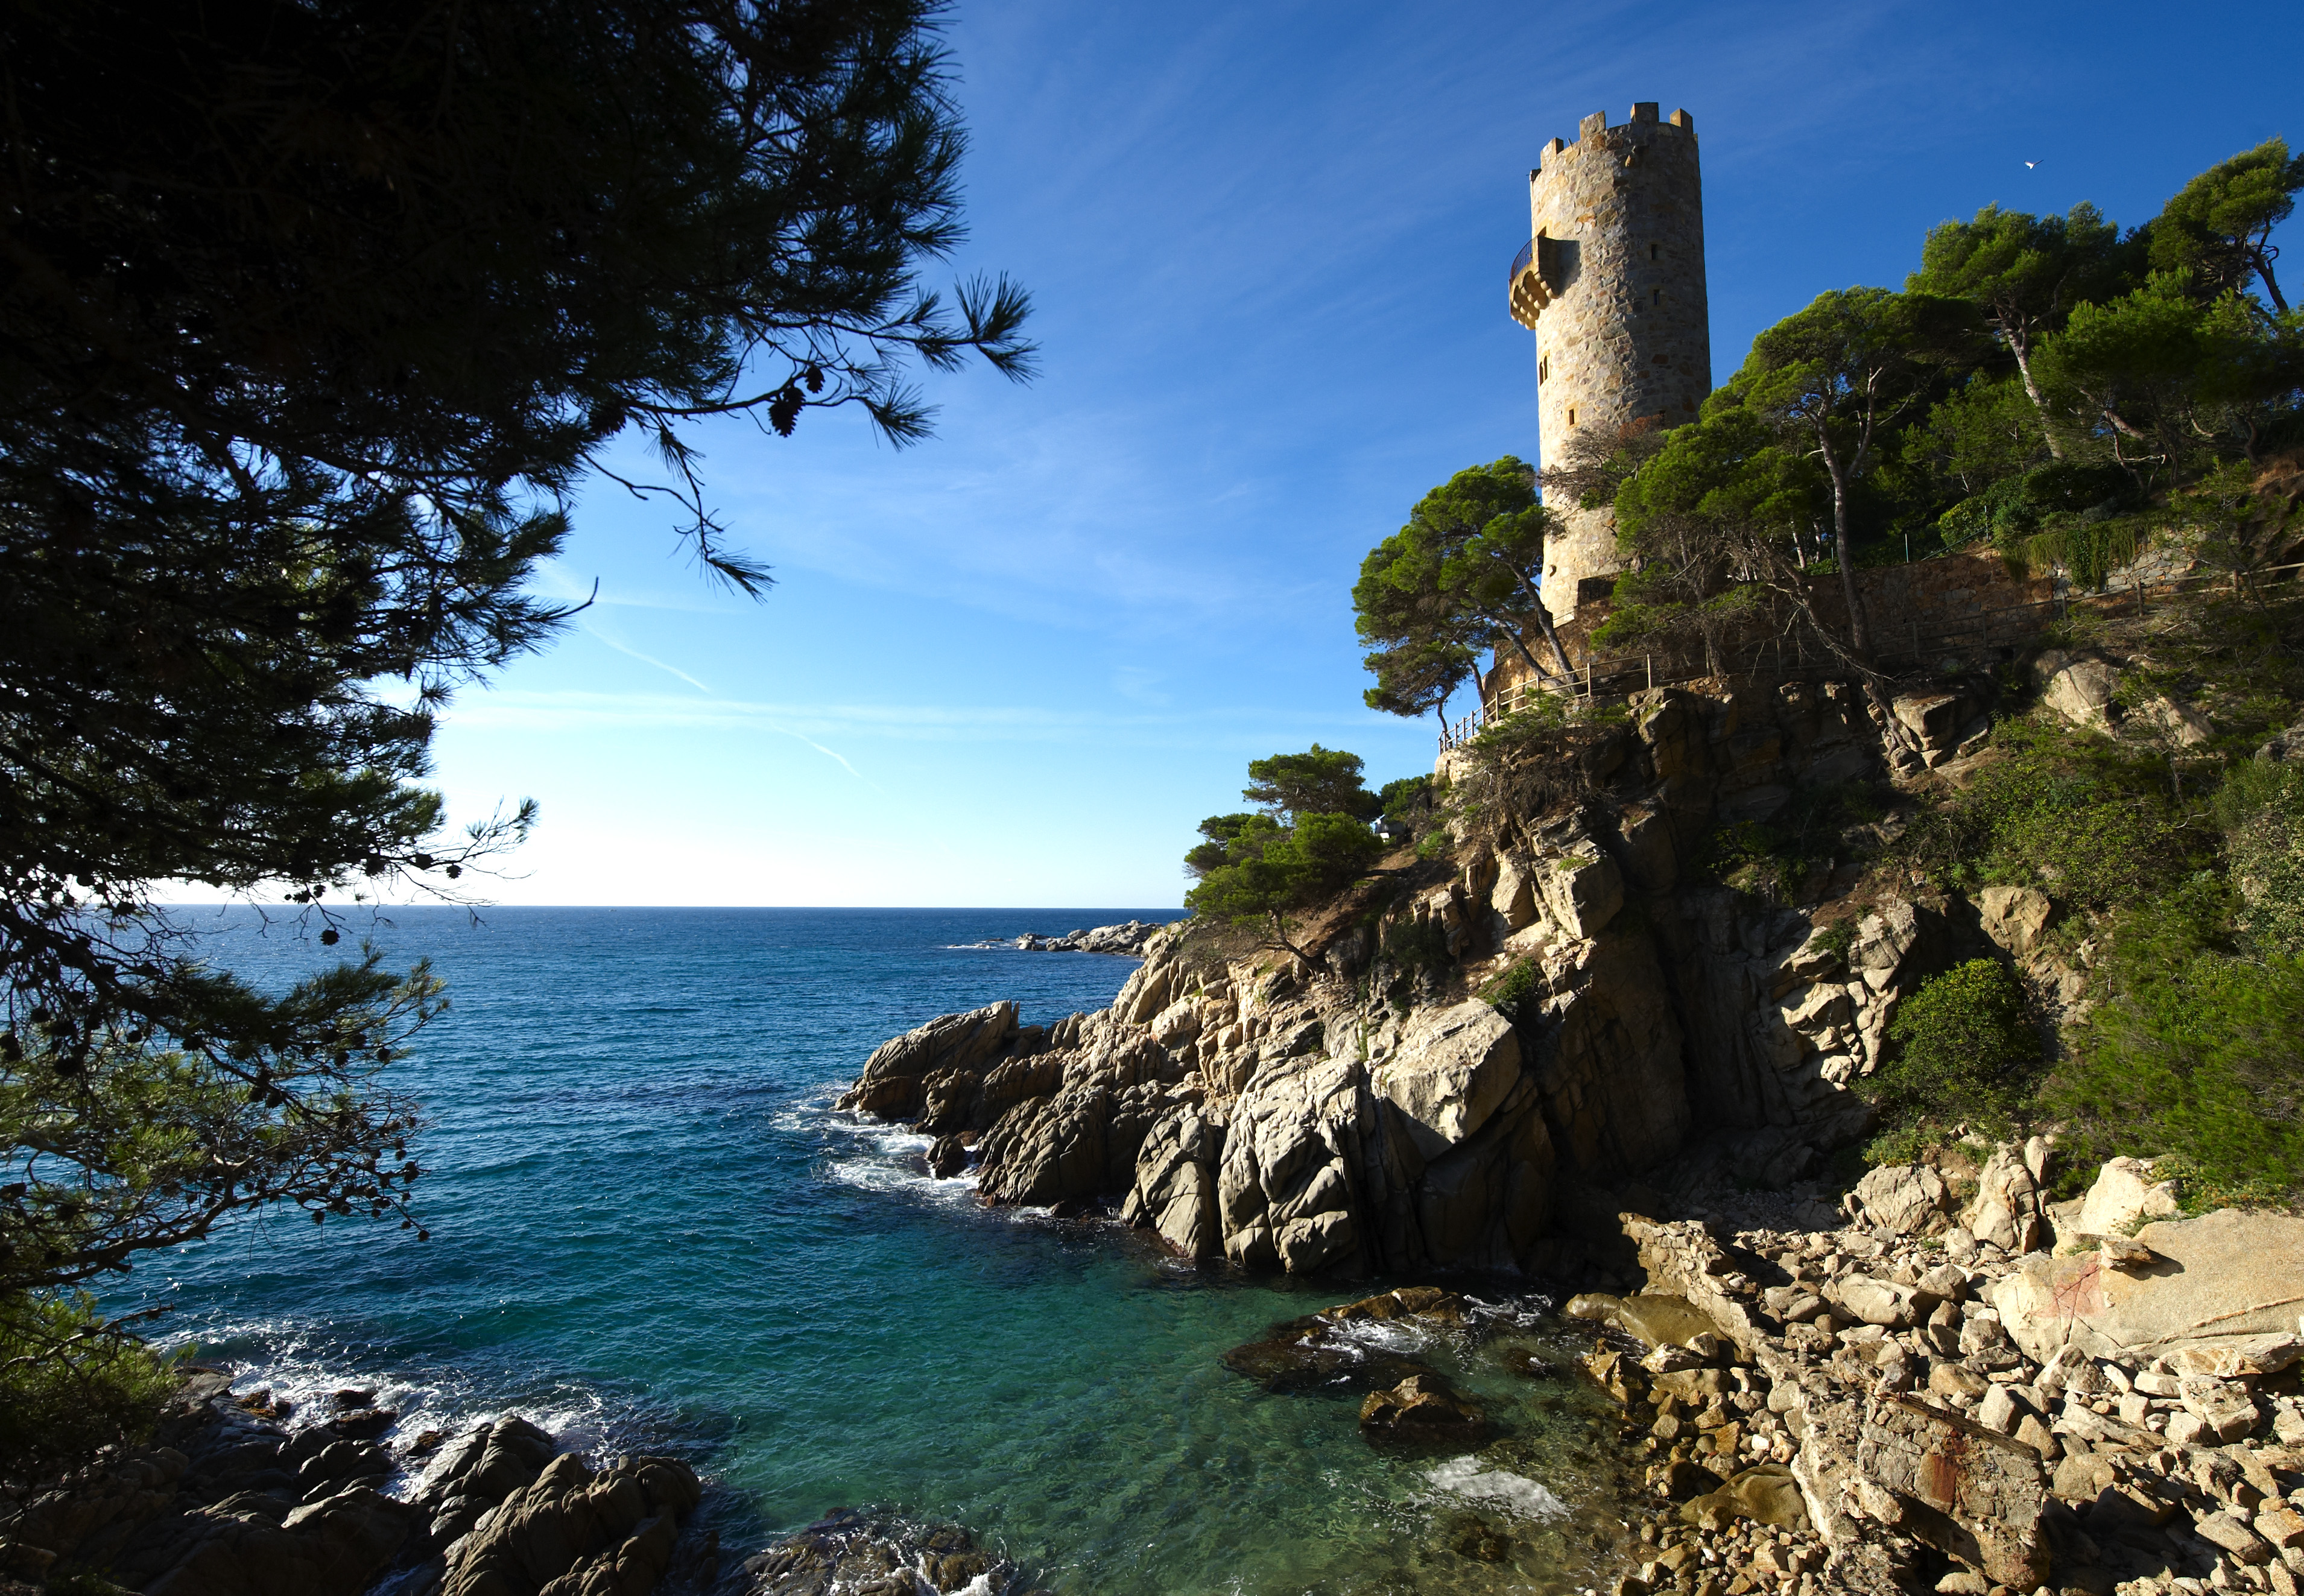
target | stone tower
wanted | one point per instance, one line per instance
(1611, 283)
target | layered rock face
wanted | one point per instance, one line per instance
(1364, 1114)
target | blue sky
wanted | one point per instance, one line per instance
(1267, 244)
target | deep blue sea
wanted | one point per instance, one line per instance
(650, 1230)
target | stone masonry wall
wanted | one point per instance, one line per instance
(1623, 335)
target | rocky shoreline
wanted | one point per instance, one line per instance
(2120, 1414)
(1954, 1385)
(235, 1498)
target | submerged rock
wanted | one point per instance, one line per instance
(856, 1554)
(1325, 1350)
(1422, 1411)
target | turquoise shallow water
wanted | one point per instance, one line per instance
(652, 1230)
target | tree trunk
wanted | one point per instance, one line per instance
(2262, 257)
(1513, 633)
(1551, 632)
(2020, 347)
(1860, 634)
(1279, 935)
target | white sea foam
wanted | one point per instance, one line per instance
(869, 1155)
(1395, 1336)
(303, 1363)
(1514, 1493)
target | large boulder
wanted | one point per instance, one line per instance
(1284, 1192)
(1609, 1062)
(1767, 1494)
(890, 1084)
(1583, 890)
(2009, 1209)
(2014, 917)
(2228, 1282)
(1973, 1494)
(2124, 1196)
(1883, 938)
(1175, 1189)
(1080, 1143)
(478, 1470)
(1907, 1199)
(1652, 1319)
(2079, 687)
(331, 1548)
(1452, 1069)
(578, 1531)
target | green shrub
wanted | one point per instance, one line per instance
(1404, 799)
(2059, 515)
(1964, 1051)
(2084, 817)
(1416, 946)
(1510, 993)
(2261, 809)
(2198, 1052)
(1751, 857)
(84, 1585)
(1838, 938)
(1772, 860)
(68, 1387)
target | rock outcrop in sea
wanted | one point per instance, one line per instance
(1126, 939)
(1363, 1114)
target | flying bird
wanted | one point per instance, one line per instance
(2029, 165)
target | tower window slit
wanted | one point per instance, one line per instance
(1571, 415)
(1658, 298)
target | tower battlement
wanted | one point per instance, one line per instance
(1611, 283)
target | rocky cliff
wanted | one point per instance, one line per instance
(1369, 1110)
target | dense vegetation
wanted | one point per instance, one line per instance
(1462, 576)
(1310, 839)
(316, 315)
(2179, 881)
(2046, 385)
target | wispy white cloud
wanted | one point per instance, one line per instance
(934, 723)
(604, 636)
(839, 758)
